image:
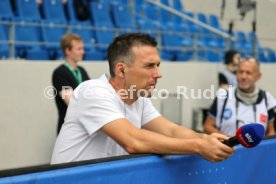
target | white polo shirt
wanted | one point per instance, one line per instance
(236, 113)
(94, 104)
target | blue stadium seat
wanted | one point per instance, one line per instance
(207, 38)
(178, 5)
(84, 30)
(262, 57)
(165, 15)
(175, 4)
(140, 2)
(153, 14)
(184, 36)
(4, 47)
(214, 21)
(148, 27)
(246, 52)
(203, 18)
(104, 36)
(27, 41)
(174, 42)
(53, 10)
(102, 20)
(175, 39)
(71, 11)
(94, 55)
(193, 28)
(184, 55)
(211, 40)
(140, 12)
(6, 10)
(271, 56)
(140, 5)
(100, 14)
(165, 2)
(169, 18)
(125, 2)
(122, 17)
(241, 41)
(206, 54)
(182, 25)
(213, 56)
(27, 9)
(201, 55)
(167, 55)
(251, 37)
(52, 31)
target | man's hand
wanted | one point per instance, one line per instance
(211, 147)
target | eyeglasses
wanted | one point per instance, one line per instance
(248, 59)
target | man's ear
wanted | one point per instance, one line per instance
(121, 68)
(66, 51)
(123, 71)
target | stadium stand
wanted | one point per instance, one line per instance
(53, 10)
(27, 41)
(83, 29)
(6, 10)
(52, 31)
(121, 17)
(179, 38)
(70, 11)
(27, 9)
(100, 16)
(270, 55)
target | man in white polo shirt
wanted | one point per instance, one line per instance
(113, 115)
(242, 105)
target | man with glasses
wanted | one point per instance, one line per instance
(243, 104)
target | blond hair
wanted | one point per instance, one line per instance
(66, 41)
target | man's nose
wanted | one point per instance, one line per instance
(157, 73)
(243, 75)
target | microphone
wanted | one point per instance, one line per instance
(249, 136)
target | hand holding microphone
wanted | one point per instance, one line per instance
(249, 135)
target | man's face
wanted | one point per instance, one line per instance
(144, 71)
(247, 75)
(77, 51)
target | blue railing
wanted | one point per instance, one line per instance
(254, 166)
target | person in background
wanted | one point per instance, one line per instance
(69, 75)
(243, 104)
(227, 74)
(113, 115)
(82, 9)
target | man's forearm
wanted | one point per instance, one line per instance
(183, 132)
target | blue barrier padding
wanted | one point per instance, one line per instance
(247, 166)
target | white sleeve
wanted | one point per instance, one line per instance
(149, 111)
(97, 108)
(271, 102)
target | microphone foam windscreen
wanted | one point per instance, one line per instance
(250, 135)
